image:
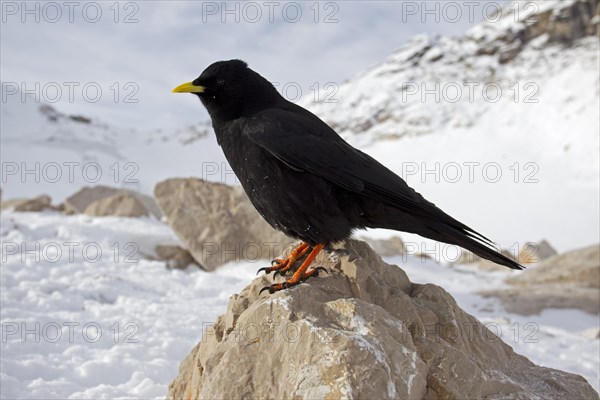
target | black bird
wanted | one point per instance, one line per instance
(305, 180)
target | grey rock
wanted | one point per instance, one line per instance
(536, 252)
(569, 280)
(362, 331)
(27, 205)
(130, 199)
(577, 268)
(118, 205)
(217, 223)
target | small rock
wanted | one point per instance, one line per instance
(536, 252)
(591, 333)
(176, 256)
(578, 267)
(28, 205)
(80, 201)
(569, 280)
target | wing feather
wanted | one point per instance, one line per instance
(304, 142)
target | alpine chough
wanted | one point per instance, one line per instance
(306, 181)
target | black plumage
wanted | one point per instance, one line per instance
(304, 179)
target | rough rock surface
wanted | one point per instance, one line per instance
(176, 257)
(23, 205)
(362, 331)
(569, 280)
(85, 197)
(118, 205)
(217, 223)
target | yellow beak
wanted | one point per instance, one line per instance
(189, 87)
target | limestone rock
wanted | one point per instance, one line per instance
(118, 205)
(24, 205)
(569, 280)
(176, 256)
(217, 223)
(110, 201)
(578, 267)
(361, 331)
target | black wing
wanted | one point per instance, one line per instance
(304, 142)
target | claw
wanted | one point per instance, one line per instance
(317, 269)
(269, 288)
(266, 269)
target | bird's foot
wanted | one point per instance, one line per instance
(291, 282)
(283, 265)
(301, 274)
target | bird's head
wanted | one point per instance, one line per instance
(229, 90)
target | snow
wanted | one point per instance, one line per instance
(75, 325)
(150, 317)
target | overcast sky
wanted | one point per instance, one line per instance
(129, 55)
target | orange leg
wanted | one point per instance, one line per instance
(282, 266)
(301, 273)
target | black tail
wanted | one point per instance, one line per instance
(470, 240)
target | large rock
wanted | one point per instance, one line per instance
(569, 280)
(362, 331)
(27, 205)
(108, 201)
(217, 223)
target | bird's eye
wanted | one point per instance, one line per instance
(220, 82)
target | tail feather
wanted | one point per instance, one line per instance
(472, 241)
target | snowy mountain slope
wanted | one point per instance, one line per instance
(45, 151)
(432, 84)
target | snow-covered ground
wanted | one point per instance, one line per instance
(85, 315)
